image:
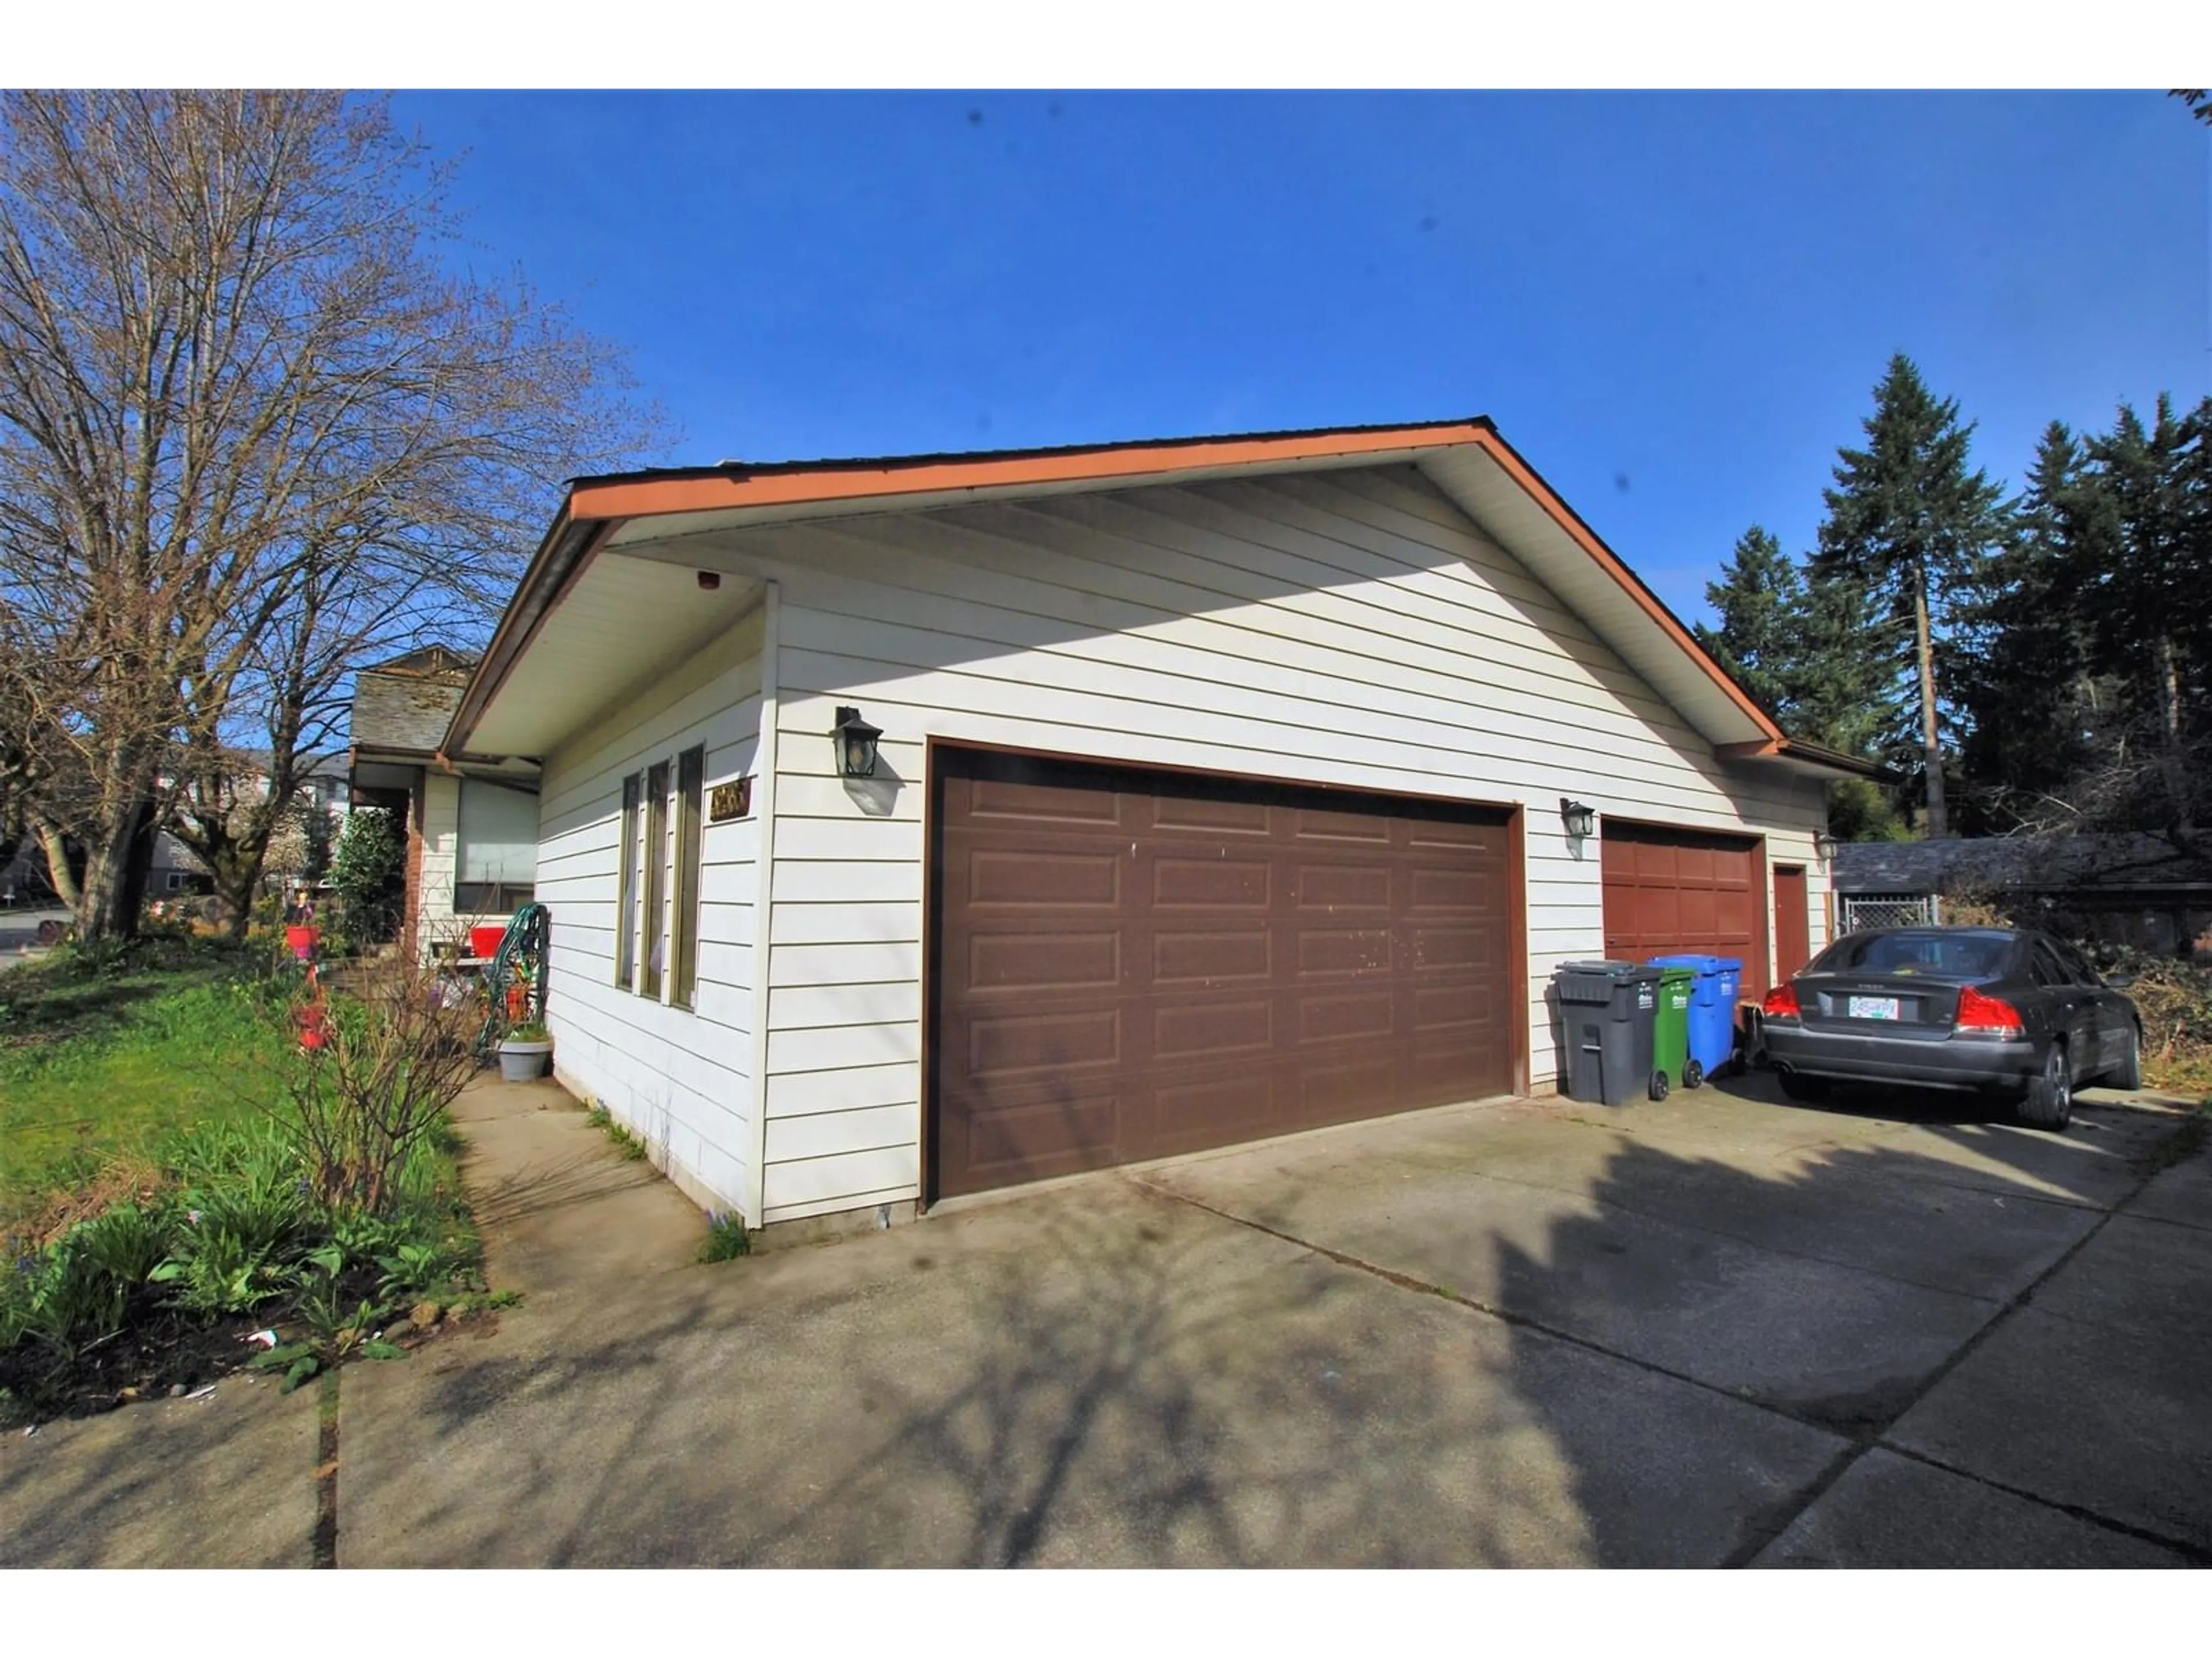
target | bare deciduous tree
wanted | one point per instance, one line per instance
(253, 427)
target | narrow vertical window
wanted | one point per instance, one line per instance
(626, 887)
(690, 780)
(656, 878)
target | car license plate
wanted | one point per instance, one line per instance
(1873, 1008)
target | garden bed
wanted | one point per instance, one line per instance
(307, 1192)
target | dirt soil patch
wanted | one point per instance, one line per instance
(163, 1352)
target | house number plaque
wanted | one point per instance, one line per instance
(730, 800)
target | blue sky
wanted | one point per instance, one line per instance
(1675, 304)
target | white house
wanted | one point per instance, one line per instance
(1222, 790)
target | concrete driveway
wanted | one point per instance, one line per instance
(1717, 1330)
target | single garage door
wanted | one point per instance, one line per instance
(1670, 892)
(1130, 964)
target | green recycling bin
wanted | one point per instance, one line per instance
(1671, 1028)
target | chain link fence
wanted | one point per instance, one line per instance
(1861, 910)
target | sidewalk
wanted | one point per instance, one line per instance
(231, 1480)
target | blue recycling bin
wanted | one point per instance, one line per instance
(1712, 1011)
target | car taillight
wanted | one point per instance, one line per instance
(1781, 1003)
(1986, 1016)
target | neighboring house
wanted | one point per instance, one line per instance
(2136, 889)
(1219, 794)
(175, 870)
(472, 829)
(23, 876)
(323, 789)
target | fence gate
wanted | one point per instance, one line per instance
(1859, 910)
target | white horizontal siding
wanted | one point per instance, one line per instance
(866, 1128)
(680, 1077)
(1355, 630)
(821, 1180)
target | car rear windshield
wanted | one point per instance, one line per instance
(1944, 956)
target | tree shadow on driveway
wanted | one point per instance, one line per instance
(1500, 1337)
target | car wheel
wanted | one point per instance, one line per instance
(2128, 1074)
(1658, 1085)
(1694, 1074)
(1807, 1088)
(2049, 1102)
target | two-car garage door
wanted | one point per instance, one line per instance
(1130, 964)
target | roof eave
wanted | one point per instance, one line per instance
(1811, 754)
(562, 556)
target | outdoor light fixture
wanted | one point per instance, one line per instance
(1580, 820)
(856, 743)
(1823, 845)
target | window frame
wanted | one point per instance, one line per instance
(491, 898)
(494, 896)
(652, 939)
(2076, 961)
(686, 852)
(2047, 969)
(626, 884)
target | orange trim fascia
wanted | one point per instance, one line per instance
(724, 492)
(1760, 749)
(1522, 474)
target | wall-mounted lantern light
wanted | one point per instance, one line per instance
(856, 743)
(1580, 820)
(1823, 845)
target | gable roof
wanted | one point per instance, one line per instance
(432, 658)
(1467, 458)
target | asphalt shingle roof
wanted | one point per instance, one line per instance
(407, 708)
(2048, 864)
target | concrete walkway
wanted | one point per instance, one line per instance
(1718, 1330)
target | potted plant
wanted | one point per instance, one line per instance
(523, 1051)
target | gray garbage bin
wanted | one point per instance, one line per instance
(1605, 1014)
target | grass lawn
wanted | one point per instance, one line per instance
(101, 1066)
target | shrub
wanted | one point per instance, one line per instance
(367, 870)
(2175, 1000)
(396, 1052)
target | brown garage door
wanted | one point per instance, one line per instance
(1671, 892)
(1130, 964)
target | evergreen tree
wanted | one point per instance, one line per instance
(1797, 647)
(1842, 684)
(369, 870)
(1908, 530)
(2148, 553)
(1760, 602)
(2026, 681)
